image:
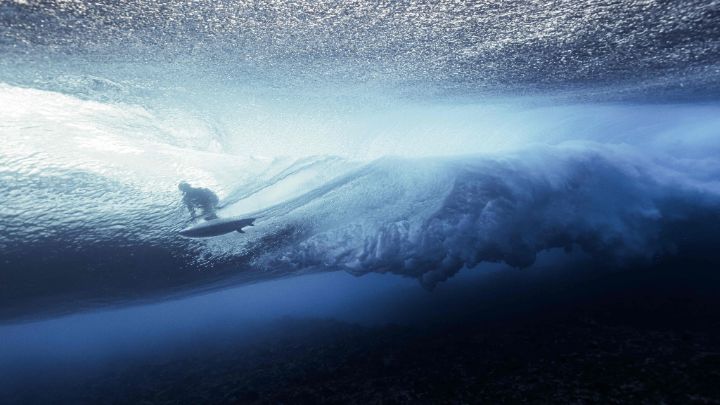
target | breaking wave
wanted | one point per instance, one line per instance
(430, 218)
(91, 212)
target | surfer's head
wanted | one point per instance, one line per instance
(184, 186)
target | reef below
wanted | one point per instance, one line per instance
(649, 336)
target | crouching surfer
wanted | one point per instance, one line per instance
(199, 198)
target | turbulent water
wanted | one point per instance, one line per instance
(410, 137)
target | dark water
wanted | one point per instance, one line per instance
(540, 177)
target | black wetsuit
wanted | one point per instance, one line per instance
(203, 199)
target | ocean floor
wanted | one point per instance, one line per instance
(646, 336)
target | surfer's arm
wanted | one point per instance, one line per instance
(191, 209)
(189, 204)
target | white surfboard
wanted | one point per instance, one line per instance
(216, 227)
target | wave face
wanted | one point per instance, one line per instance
(410, 137)
(91, 210)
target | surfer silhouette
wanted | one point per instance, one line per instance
(199, 198)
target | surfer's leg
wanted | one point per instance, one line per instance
(209, 212)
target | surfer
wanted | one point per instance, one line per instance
(202, 198)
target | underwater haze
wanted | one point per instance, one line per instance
(428, 141)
